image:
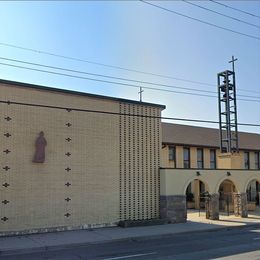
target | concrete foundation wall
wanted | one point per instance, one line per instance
(173, 208)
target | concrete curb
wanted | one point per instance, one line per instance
(37, 249)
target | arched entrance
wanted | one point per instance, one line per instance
(226, 201)
(195, 194)
(253, 192)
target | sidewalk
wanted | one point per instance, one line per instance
(58, 240)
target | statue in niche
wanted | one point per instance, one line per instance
(40, 144)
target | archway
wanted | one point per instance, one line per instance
(253, 192)
(195, 194)
(226, 201)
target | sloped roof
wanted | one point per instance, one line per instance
(202, 136)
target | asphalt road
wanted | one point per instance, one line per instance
(236, 243)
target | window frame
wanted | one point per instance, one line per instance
(257, 160)
(247, 160)
(215, 159)
(173, 157)
(184, 160)
(201, 161)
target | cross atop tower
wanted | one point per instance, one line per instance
(233, 63)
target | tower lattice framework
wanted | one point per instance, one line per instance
(227, 112)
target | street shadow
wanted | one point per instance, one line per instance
(197, 216)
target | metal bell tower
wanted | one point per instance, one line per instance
(227, 110)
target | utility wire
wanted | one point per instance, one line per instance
(104, 65)
(115, 82)
(230, 17)
(106, 81)
(70, 109)
(116, 67)
(107, 76)
(118, 78)
(201, 21)
(236, 9)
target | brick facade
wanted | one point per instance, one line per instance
(89, 177)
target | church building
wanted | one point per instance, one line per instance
(72, 160)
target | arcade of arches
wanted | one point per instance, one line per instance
(236, 191)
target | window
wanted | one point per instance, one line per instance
(257, 160)
(213, 159)
(246, 160)
(172, 153)
(200, 163)
(186, 157)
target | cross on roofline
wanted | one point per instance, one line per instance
(141, 93)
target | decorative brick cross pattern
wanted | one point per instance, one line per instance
(68, 154)
(5, 201)
(7, 151)
(6, 168)
(67, 169)
(8, 118)
(67, 199)
(68, 124)
(68, 139)
(6, 184)
(7, 135)
(67, 184)
(4, 218)
(67, 215)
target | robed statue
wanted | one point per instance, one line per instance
(40, 144)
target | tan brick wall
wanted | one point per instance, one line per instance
(165, 162)
(37, 192)
(206, 154)
(252, 160)
(179, 156)
(230, 161)
(193, 157)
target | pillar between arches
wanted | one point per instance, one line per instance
(212, 206)
(240, 204)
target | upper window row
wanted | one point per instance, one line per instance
(200, 157)
(213, 164)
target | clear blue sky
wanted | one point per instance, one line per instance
(137, 36)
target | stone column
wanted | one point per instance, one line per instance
(244, 205)
(212, 207)
(173, 208)
(240, 204)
